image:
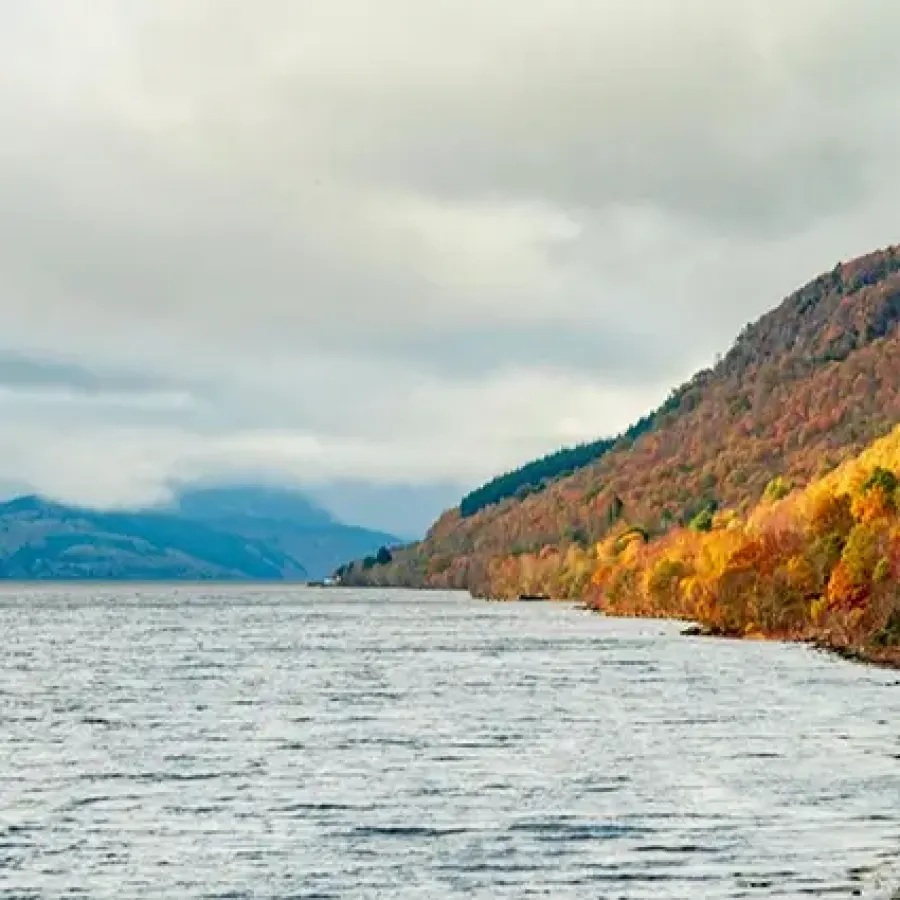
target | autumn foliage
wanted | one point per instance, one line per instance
(745, 502)
(822, 562)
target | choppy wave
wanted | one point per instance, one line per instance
(242, 743)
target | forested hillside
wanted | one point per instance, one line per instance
(804, 388)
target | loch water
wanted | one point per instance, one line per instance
(275, 742)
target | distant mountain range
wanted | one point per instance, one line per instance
(230, 533)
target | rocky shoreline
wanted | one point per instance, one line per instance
(882, 657)
(887, 658)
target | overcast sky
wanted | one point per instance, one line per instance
(407, 241)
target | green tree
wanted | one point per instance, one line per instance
(614, 511)
(777, 489)
(883, 479)
(383, 557)
(703, 521)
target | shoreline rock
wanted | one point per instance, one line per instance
(863, 655)
(868, 656)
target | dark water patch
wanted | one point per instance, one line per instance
(321, 807)
(87, 801)
(575, 831)
(677, 849)
(402, 832)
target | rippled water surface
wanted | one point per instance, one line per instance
(189, 742)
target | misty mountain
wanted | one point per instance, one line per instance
(226, 533)
(42, 539)
(285, 520)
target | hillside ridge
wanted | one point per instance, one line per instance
(806, 386)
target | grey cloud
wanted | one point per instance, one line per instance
(358, 240)
(608, 351)
(19, 371)
(731, 113)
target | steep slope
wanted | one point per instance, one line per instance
(284, 520)
(808, 385)
(39, 539)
